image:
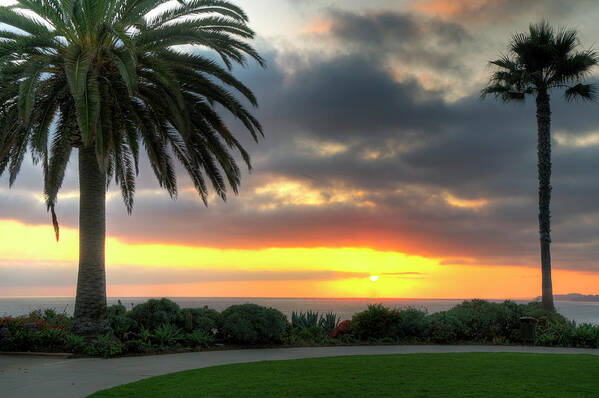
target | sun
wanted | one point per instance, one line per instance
(374, 278)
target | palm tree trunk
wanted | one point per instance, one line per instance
(90, 305)
(544, 174)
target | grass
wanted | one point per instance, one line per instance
(413, 375)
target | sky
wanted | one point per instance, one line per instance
(379, 159)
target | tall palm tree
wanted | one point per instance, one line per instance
(110, 76)
(538, 62)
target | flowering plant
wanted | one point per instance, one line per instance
(36, 331)
(341, 329)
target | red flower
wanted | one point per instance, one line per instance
(342, 328)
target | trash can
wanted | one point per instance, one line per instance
(527, 329)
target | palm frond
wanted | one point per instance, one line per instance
(109, 74)
(541, 60)
(585, 92)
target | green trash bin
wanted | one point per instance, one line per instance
(527, 329)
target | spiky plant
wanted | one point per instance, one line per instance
(111, 78)
(539, 62)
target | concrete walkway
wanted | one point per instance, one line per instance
(49, 377)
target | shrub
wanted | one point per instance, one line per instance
(445, 328)
(198, 339)
(414, 324)
(328, 322)
(123, 326)
(105, 346)
(205, 320)
(116, 310)
(312, 335)
(554, 330)
(49, 339)
(34, 332)
(167, 334)
(74, 343)
(252, 324)
(478, 320)
(376, 322)
(134, 346)
(120, 322)
(482, 321)
(310, 320)
(342, 329)
(154, 313)
(586, 335)
(145, 334)
(304, 320)
(48, 319)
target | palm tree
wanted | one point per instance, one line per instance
(537, 63)
(107, 77)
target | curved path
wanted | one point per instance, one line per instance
(55, 376)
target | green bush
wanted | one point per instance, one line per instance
(586, 335)
(252, 324)
(122, 325)
(158, 324)
(17, 339)
(116, 310)
(483, 322)
(74, 343)
(154, 313)
(105, 346)
(205, 320)
(49, 339)
(554, 330)
(377, 322)
(135, 346)
(167, 334)
(198, 339)
(414, 325)
(445, 328)
(308, 336)
(479, 320)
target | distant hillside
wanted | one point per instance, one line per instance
(574, 297)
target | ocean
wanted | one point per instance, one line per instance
(344, 308)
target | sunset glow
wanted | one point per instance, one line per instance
(175, 270)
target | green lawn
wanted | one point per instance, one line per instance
(414, 375)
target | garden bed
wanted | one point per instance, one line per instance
(161, 326)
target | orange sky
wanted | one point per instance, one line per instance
(323, 272)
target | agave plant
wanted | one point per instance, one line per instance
(304, 320)
(329, 322)
(167, 334)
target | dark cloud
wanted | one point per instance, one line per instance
(404, 153)
(406, 37)
(501, 11)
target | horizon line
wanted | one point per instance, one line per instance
(289, 298)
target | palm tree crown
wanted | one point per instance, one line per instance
(117, 75)
(541, 60)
